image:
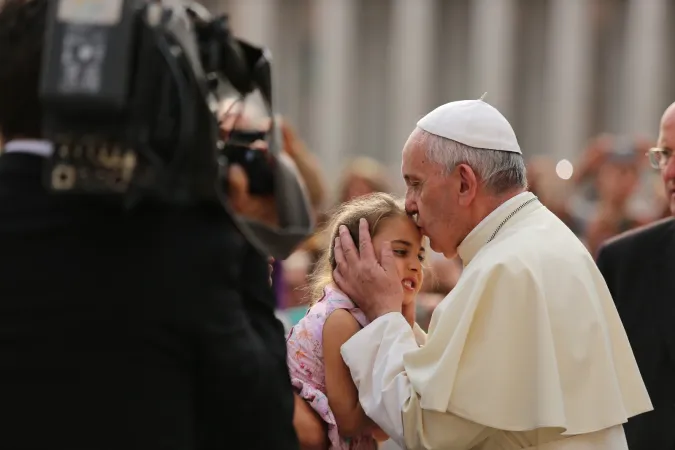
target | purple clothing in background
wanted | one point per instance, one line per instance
(278, 284)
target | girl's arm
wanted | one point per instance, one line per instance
(308, 426)
(343, 398)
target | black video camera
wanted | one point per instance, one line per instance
(130, 100)
(258, 164)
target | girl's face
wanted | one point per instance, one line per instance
(406, 243)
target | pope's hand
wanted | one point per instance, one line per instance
(374, 286)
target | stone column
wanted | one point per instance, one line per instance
(645, 71)
(332, 105)
(568, 75)
(373, 93)
(492, 52)
(411, 74)
(526, 114)
(254, 20)
(453, 77)
(287, 65)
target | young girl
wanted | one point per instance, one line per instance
(314, 360)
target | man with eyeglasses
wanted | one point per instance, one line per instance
(639, 267)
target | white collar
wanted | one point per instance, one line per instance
(478, 237)
(496, 212)
(30, 146)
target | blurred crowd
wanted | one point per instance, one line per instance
(608, 189)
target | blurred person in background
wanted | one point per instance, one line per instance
(614, 191)
(552, 191)
(639, 268)
(363, 175)
(296, 270)
(308, 166)
(616, 181)
(585, 175)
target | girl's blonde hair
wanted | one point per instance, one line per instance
(375, 208)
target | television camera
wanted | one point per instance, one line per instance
(131, 93)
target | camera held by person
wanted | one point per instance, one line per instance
(130, 97)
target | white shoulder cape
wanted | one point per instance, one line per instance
(530, 337)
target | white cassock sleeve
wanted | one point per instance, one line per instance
(374, 356)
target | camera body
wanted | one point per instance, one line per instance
(129, 91)
(257, 163)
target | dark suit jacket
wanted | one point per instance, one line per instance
(639, 268)
(146, 330)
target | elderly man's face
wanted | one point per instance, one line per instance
(431, 195)
(667, 142)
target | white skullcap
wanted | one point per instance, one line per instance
(473, 123)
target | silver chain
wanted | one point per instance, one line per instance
(506, 219)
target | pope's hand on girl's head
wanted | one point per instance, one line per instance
(374, 286)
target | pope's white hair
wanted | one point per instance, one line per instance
(499, 171)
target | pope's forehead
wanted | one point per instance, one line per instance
(413, 150)
(414, 160)
(413, 142)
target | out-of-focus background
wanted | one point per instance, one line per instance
(583, 82)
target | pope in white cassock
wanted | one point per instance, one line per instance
(527, 351)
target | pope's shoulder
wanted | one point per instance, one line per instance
(537, 245)
(538, 239)
(641, 238)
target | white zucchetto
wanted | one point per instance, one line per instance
(473, 123)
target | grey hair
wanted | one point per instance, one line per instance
(499, 171)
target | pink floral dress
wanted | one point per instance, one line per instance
(305, 363)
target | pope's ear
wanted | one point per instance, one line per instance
(468, 184)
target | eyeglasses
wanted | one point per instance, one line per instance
(659, 157)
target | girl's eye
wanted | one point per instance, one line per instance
(421, 258)
(400, 252)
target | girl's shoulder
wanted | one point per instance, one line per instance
(334, 299)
